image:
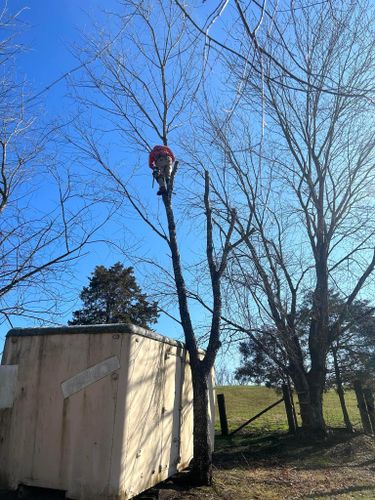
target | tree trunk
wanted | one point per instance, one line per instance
(201, 474)
(340, 392)
(292, 423)
(367, 428)
(311, 408)
(310, 398)
(203, 445)
(369, 398)
(292, 400)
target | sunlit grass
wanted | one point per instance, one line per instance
(243, 402)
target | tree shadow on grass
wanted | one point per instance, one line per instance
(278, 448)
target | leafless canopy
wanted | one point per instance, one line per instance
(144, 85)
(303, 180)
(43, 217)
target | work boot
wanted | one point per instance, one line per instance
(161, 191)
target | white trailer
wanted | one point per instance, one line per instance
(100, 412)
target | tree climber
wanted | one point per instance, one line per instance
(160, 161)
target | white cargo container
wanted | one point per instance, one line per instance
(100, 412)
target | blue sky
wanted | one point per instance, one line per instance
(51, 29)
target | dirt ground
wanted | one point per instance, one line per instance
(279, 467)
(276, 466)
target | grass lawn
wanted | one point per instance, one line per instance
(243, 402)
(263, 462)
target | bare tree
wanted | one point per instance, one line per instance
(306, 191)
(144, 84)
(257, 34)
(44, 215)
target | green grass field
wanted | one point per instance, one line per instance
(243, 402)
(263, 462)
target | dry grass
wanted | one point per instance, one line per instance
(276, 466)
(264, 463)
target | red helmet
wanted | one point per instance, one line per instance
(158, 151)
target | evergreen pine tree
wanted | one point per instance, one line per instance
(113, 296)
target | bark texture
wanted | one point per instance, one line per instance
(203, 446)
(201, 366)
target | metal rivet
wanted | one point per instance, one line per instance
(114, 376)
(14, 340)
(116, 337)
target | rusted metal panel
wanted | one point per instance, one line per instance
(100, 412)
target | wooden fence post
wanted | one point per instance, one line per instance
(369, 398)
(289, 409)
(222, 414)
(362, 407)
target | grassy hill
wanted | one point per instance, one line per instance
(243, 402)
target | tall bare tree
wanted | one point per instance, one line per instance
(144, 83)
(305, 185)
(257, 33)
